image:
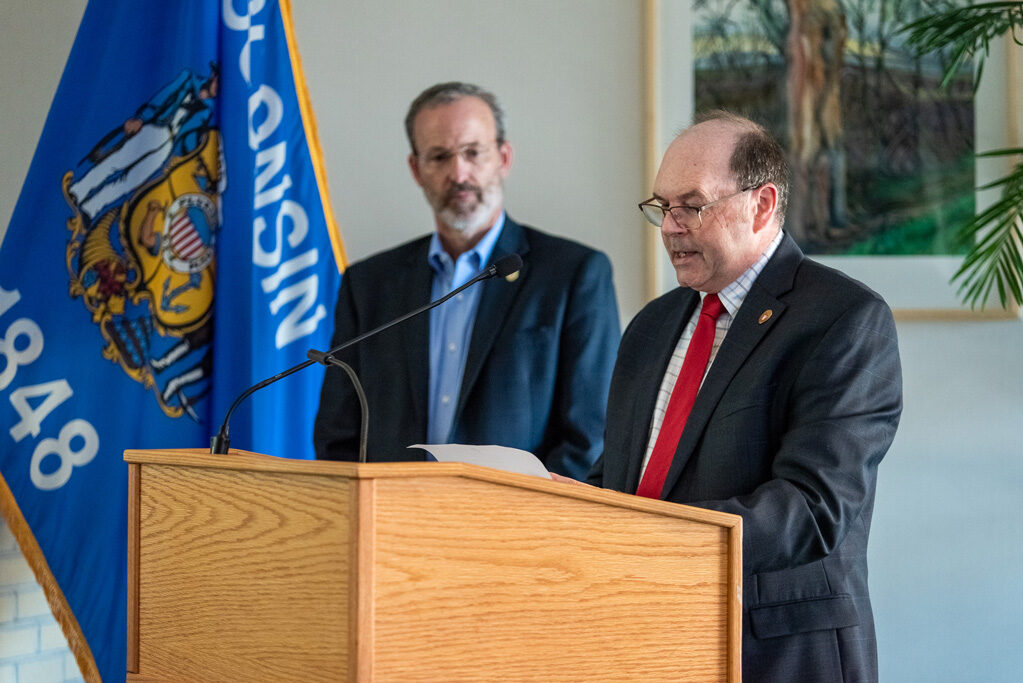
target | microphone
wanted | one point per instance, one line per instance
(506, 266)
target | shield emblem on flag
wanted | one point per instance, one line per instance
(169, 229)
(186, 249)
(146, 270)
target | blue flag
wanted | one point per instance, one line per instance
(172, 245)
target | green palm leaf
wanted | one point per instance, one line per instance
(994, 262)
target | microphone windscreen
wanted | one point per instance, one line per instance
(506, 265)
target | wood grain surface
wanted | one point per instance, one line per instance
(238, 570)
(258, 568)
(474, 578)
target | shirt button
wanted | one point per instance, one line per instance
(445, 400)
(460, 297)
(452, 347)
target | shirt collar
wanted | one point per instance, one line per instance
(440, 260)
(734, 294)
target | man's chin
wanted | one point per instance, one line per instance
(462, 224)
(461, 215)
(687, 278)
(466, 222)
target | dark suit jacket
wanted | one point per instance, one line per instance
(537, 370)
(787, 431)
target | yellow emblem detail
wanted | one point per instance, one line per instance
(167, 232)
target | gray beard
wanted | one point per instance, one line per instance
(477, 219)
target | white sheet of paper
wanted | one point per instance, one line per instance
(498, 457)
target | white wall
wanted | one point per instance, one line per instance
(947, 540)
(946, 547)
(567, 73)
(35, 39)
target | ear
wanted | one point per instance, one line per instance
(413, 165)
(507, 157)
(765, 204)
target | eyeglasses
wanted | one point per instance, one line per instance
(473, 154)
(688, 217)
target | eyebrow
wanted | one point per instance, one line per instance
(694, 196)
(467, 145)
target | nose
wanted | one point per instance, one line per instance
(461, 170)
(669, 226)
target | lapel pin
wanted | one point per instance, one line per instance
(765, 316)
(513, 277)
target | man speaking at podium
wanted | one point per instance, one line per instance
(767, 386)
(523, 362)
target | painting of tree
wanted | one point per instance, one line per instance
(881, 155)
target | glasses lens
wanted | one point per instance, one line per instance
(652, 213)
(686, 217)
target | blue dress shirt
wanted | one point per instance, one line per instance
(451, 326)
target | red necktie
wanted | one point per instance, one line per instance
(682, 398)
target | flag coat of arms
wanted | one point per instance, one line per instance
(172, 244)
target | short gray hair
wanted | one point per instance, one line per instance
(445, 93)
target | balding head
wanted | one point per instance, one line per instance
(718, 177)
(756, 158)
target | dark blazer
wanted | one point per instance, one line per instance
(787, 431)
(537, 370)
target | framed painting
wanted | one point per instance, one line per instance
(882, 157)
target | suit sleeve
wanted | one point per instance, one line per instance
(587, 348)
(336, 429)
(839, 420)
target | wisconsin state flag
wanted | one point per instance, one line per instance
(173, 244)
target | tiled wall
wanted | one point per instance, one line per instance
(32, 646)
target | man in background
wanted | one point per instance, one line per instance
(523, 362)
(767, 386)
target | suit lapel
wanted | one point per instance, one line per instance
(744, 334)
(416, 332)
(495, 303)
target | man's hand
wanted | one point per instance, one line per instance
(567, 480)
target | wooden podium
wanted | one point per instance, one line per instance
(250, 567)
